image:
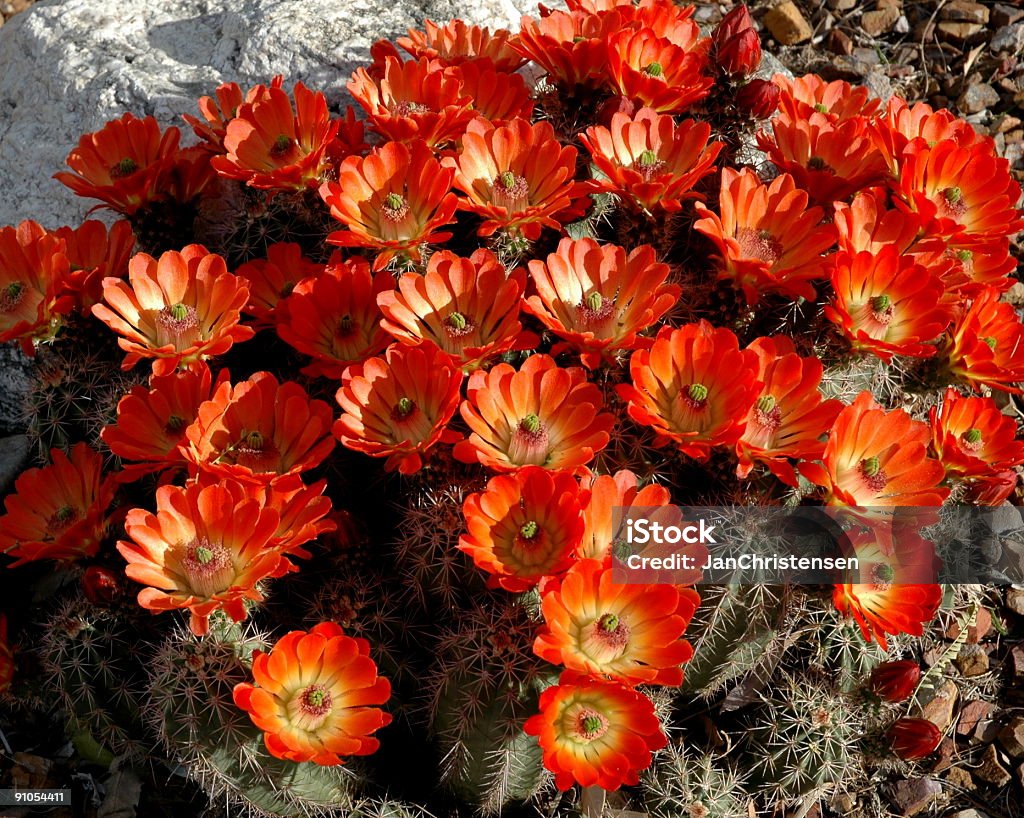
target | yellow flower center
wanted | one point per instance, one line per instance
(529, 443)
(310, 708)
(528, 530)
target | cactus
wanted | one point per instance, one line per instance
(839, 648)
(686, 784)
(192, 710)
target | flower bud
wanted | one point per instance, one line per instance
(736, 46)
(100, 586)
(913, 739)
(758, 98)
(895, 681)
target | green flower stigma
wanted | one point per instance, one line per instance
(530, 423)
(529, 530)
(179, 312)
(871, 466)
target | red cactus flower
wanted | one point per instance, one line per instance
(895, 681)
(468, 307)
(759, 99)
(523, 527)
(274, 278)
(258, 430)
(694, 386)
(876, 458)
(789, 416)
(124, 164)
(497, 96)
(571, 47)
(972, 437)
(987, 344)
(656, 72)
(414, 100)
(767, 237)
(631, 633)
(313, 694)
(993, 490)
(735, 46)
(93, 253)
(272, 145)
(518, 177)
(971, 265)
(457, 43)
(913, 739)
(203, 551)
(837, 101)
(649, 160)
(542, 415)
(606, 493)
(334, 318)
(34, 271)
(217, 113)
(594, 732)
(887, 303)
(7, 666)
(178, 311)
(393, 200)
(58, 512)
(901, 124)
(398, 406)
(599, 299)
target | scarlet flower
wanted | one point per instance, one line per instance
(693, 386)
(398, 406)
(523, 527)
(789, 416)
(414, 100)
(599, 299)
(542, 415)
(570, 46)
(7, 666)
(189, 176)
(151, 421)
(393, 200)
(971, 265)
(217, 113)
(271, 145)
(59, 511)
(33, 272)
(887, 303)
(94, 254)
(837, 101)
(895, 681)
(867, 224)
(877, 458)
(274, 278)
(259, 430)
(913, 739)
(993, 490)
(768, 238)
(457, 43)
(901, 124)
(759, 99)
(649, 160)
(497, 96)
(736, 48)
(124, 164)
(179, 311)
(973, 438)
(630, 633)
(203, 550)
(656, 72)
(606, 493)
(594, 732)
(987, 344)
(334, 318)
(518, 176)
(313, 694)
(468, 307)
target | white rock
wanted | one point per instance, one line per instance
(68, 67)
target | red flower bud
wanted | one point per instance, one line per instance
(614, 105)
(732, 24)
(912, 739)
(895, 681)
(758, 98)
(735, 44)
(100, 586)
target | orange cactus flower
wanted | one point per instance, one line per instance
(398, 406)
(594, 732)
(523, 527)
(393, 200)
(258, 430)
(599, 299)
(314, 694)
(768, 238)
(649, 160)
(274, 278)
(7, 666)
(987, 344)
(867, 224)
(887, 303)
(205, 549)
(876, 458)
(570, 46)
(456, 43)
(607, 492)
(334, 318)
(901, 124)
(655, 72)
(542, 415)
(217, 113)
(58, 512)
(630, 633)
(271, 145)
(518, 176)
(468, 307)
(151, 422)
(124, 164)
(34, 271)
(789, 416)
(693, 386)
(178, 311)
(838, 101)
(497, 96)
(974, 264)
(93, 254)
(972, 437)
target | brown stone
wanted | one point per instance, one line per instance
(1016, 662)
(976, 98)
(973, 712)
(1015, 600)
(787, 24)
(991, 770)
(1011, 737)
(916, 795)
(972, 661)
(939, 709)
(1004, 124)
(959, 32)
(961, 779)
(30, 772)
(838, 43)
(946, 751)
(11, 7)
(978, 631)
(985, 732)
(964, 11)
(1003, 15)
(879, 21)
